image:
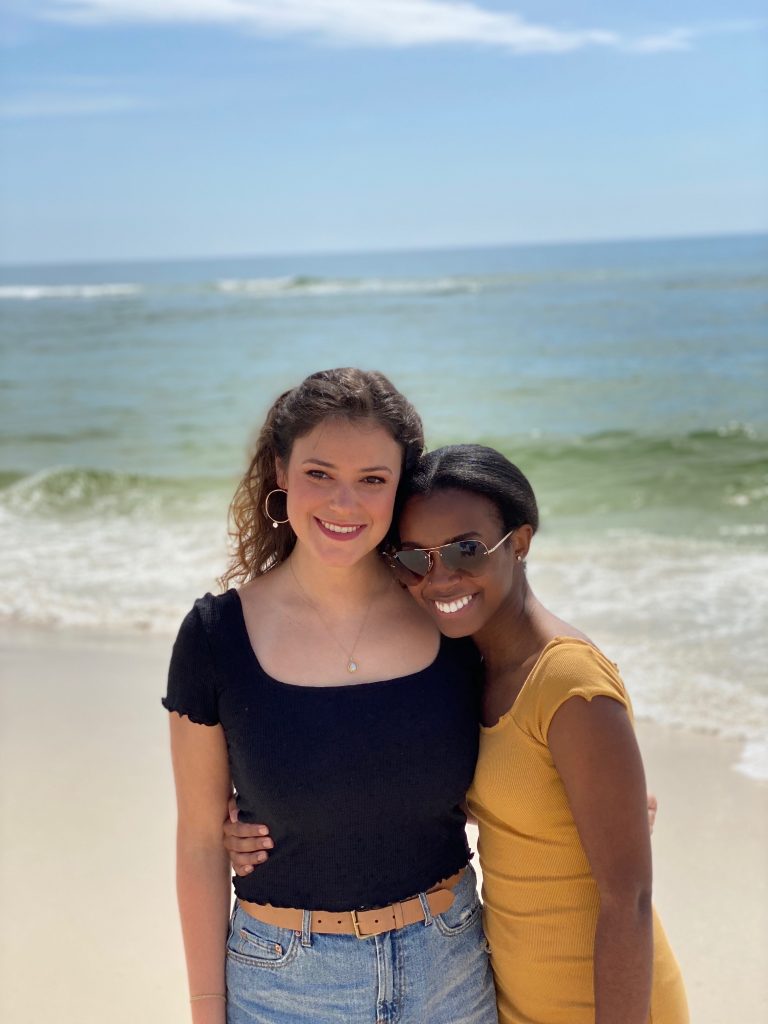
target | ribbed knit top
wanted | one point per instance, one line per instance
(541, 901)
(360, 784)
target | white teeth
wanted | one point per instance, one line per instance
(334, 528)
(448, 607)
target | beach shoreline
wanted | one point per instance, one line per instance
(88, 812)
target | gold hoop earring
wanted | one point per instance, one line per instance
(275, 522)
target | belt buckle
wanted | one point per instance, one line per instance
(356, 925)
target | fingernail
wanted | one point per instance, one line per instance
(247, 870)
(263, 831)
(268, 844)
(260, 857)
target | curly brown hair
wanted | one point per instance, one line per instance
(346, 393)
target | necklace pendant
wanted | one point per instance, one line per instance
(351, 666)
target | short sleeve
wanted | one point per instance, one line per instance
(192, 689)
(572, 669)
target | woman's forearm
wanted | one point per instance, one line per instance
(204, 892)
(623, 960)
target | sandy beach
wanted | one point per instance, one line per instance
(89, 930)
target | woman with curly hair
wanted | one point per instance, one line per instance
(345, 721)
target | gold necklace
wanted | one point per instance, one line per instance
(352, 665)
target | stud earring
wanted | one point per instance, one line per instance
(275, 522)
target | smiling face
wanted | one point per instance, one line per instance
(341, 480)
(460, 604)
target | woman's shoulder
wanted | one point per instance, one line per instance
(576, 662)
(572, 650)
(194, 678)
(569, 666)
(210, 613)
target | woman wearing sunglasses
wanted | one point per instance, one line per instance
(559, 790)
(347, 723)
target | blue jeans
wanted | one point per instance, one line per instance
(433, 972)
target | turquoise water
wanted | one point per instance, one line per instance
(628, 380)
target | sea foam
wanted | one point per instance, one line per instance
(32, 292)
(319, 287)
(684, 619)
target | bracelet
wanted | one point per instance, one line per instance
(208, 995)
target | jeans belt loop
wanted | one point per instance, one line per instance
(306, 928)
(426, 909)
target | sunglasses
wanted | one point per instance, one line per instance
(411, 565)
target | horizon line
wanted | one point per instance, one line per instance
(389, 250)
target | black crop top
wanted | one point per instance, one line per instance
(360, 784)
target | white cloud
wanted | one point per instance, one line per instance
(683, 38)
(375, 23)
(667, 42)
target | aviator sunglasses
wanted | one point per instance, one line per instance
(412, 564)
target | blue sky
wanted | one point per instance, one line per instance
(163, 128)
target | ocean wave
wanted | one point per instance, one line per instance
(304, 285)
(71, 492)
(33, 292)
(269, 287)
(93, 549)
(715, 480)
(311, 286)
(702, 483)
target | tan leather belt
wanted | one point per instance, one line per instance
(362, 923)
